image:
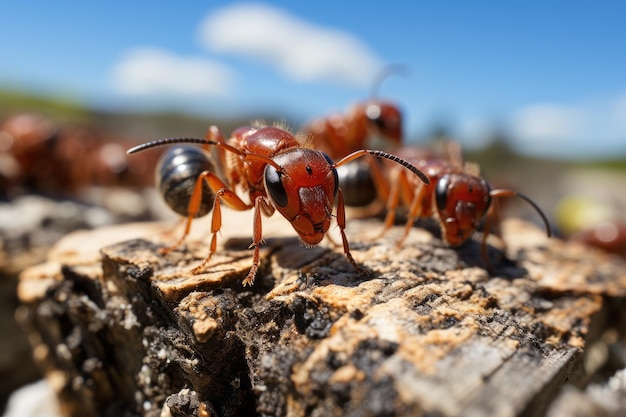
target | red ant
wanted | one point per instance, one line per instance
(340, 134)
(371, 123)
(457, 197)
(279, 175)
(41, 156)
(609, 236)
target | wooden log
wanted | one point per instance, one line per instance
(127, 331)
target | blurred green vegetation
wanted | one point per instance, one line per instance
(65, 109)
(136, 125)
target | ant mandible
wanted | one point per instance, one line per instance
(279, 175)
(457, 197)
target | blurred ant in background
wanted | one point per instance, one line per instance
(277, 173)
(608, 236)
(39, 156)
(594, 222)
(373, 123)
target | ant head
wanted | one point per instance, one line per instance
(303, 190)
(385, 119)
(462, 200)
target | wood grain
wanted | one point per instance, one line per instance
(428, 332)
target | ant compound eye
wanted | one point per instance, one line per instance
(331, 163)
(275, 187)
(441, 192)
(487, 195)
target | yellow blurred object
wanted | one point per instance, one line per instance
(576, 213)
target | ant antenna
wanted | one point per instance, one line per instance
(509, 193)
(381, 154)
(170, 141)
(198, 141)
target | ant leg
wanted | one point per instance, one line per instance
(216, 225)
(192, 209)
(415, 209)
(231, 199)
(257, 238)
(509, 193)
(401, 188)
(341, 221)
(392, 204)
(455, 155)
(492, 213)
(378, 178)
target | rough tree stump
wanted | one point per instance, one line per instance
(428, 332)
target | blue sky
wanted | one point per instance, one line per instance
(552, 74)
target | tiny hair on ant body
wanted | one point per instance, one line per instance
(457, 197)
(278, 174)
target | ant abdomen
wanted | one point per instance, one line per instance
(357, 184)
(176, 174)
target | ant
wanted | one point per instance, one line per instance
(41, 156)
(374, 123)
(457, 197)
(278, 174)
(609, 236)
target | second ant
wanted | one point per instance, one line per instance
(457, 197)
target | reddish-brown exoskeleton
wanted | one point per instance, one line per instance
(340, 134)
(372, 123)
(457, 196)
(37, 155)
(609, 236)
(365, 123)
(278, 175)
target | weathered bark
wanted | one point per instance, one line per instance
(428, 332)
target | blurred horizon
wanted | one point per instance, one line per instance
(546, 78)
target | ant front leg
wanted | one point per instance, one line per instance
(231, 199)
(192, 210)
(257, 239)
(341, 222)
(415, 210)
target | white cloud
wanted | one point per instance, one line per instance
(154, 71)
(619, 111)
(590, 128)
(550, 122)
(301, 50)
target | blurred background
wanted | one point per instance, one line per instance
(534, 91)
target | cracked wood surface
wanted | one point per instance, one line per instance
(428, 332)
